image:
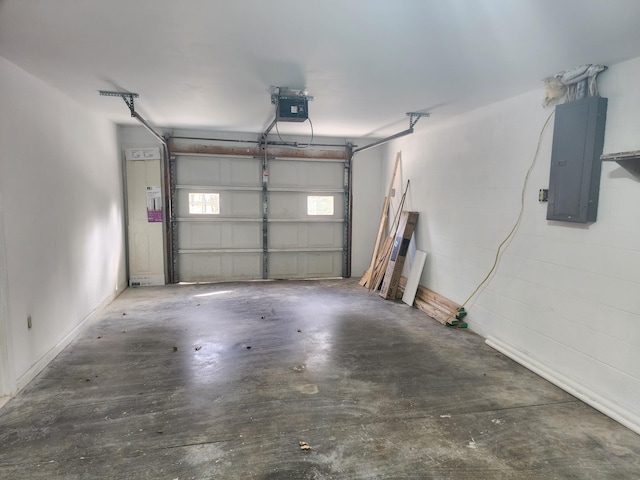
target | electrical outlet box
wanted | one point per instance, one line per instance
(543, 195)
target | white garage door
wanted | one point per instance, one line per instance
(241, 218)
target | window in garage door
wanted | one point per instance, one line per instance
(204, 203)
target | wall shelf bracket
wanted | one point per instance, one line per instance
(630, 161)
(622, 156)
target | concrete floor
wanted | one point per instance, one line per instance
(377, 389)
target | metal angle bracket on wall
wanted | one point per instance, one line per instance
(413, 119)
(126, 96)
(415, 116)
(128, 99)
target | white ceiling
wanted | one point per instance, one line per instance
(209, 64)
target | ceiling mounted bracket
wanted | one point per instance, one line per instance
(415, 116)
(126, 96)
(277, 92)
(128, 99)
(413, 119)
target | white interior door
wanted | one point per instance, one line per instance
(145, 228)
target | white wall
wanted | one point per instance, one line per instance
(367, 204)
(61, 208)
(565, 300)
(7, 374)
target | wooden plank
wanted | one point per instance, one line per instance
(392, 275)
(436, 306)
(381, 264)
(204, 147)
(366, 277)
(432, 312)
(432, 297)
(433, 304)
(365, 281)
(411, 288)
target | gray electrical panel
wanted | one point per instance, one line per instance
(578, 138)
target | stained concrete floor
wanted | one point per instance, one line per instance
(223, 381)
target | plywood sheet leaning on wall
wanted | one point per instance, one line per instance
(415, 272)
(408, 221)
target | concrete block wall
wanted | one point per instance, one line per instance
(62, 251)
(565, 299)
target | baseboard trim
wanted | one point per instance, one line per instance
(610, 409)
(30, 374)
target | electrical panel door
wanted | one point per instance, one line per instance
(578, 138)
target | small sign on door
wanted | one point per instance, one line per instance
(154, 204)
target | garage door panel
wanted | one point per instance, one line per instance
(305, 235)
(194, 235)
(207, 267)
(200, 267)
(240, 204)
(245, 235)
(305, 265)
(284, 235)
(324, 264)
(283, 265)
(315, 174)
(241, 172)
(286, 205)
(237, 171)
(324, 234)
